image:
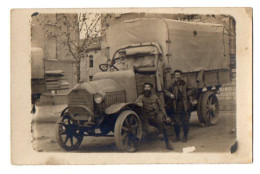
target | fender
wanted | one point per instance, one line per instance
(118, 106)
(78, 117)
(63, 111)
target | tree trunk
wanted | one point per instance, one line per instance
(78, 70)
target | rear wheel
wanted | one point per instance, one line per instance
(128, 131)
(68, 136)
(199, 108)
(209, 108)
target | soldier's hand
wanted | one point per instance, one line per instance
(168, 120)
(172, 96)
(140, 104)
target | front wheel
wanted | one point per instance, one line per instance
(68, 136)
(128, 131)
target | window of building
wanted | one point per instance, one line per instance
(90, 78)
(91, 61)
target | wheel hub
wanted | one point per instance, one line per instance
(130, 129)
(212, 108)
(70, 131)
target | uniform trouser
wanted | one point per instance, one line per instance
(156, 120)
(181, 119)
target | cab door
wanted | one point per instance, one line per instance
(143, 76)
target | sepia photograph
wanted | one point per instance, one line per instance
(134, 83)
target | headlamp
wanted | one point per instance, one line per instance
(98, 98)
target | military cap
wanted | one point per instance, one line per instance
(122, 51)
(177, 71)
(148, 83)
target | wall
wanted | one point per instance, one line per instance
(227, 96)
(85, 70)
(47, 32)
(68, 67)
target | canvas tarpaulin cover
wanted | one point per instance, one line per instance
(135, 62)
(37, 63)
(187, 46)
(139, 50)
(137, 57)
(134, 32)
(197, 46)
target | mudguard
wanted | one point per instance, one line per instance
(118, 106)
(78, 117)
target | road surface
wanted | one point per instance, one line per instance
(217, 138)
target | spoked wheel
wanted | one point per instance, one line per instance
(199, 108)
(209, 108)
(68, 136)
(128, 131)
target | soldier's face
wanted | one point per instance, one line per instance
(117, 60)
(147, 90)
(177, 76)
(122, 56)
(147, 87)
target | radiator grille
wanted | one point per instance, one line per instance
(79, 113)
(114, 97)
(81, 97)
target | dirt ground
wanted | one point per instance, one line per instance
(217, 138)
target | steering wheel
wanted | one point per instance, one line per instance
(105, 67)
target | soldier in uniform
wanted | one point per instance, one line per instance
(178, 93)
(121, 61)
(153, 112)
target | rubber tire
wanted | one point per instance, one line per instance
(204, 100)
(199, 108)
(59, 141)
(118, 126)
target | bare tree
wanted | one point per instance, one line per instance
(87, 26)
(76, 32)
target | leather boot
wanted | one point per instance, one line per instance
(184, 139)
(185, 132)
(177, 130)
(168, 145)
(176, 139)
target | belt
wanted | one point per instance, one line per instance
(150, 113)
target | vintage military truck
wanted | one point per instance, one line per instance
(154, 49)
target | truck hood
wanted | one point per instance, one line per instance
(99, 86)
(124, 78)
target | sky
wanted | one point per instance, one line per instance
(91, 18)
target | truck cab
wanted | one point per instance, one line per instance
(142, 59)
(107, 104)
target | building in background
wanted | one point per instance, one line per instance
(91, 59)
(48, 34)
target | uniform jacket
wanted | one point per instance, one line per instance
(151, 105)
(174, 90)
